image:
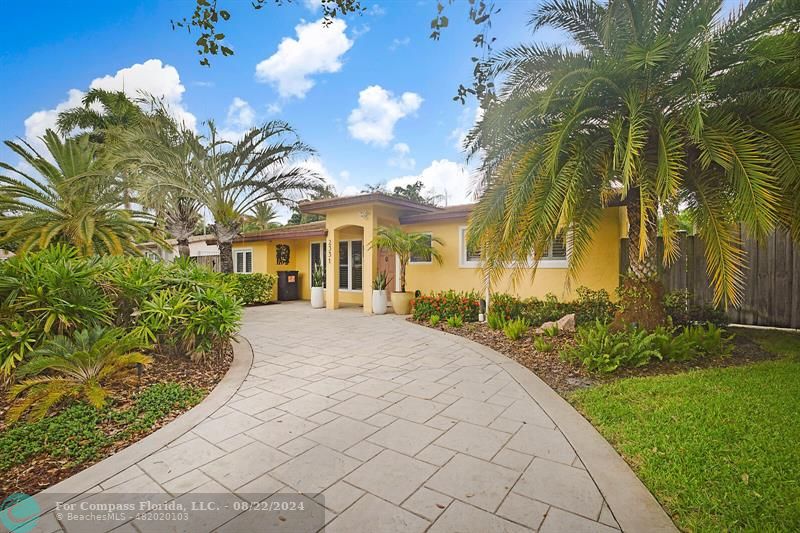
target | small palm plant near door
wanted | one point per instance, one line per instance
(406, 245)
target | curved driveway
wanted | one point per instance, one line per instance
(401, 428)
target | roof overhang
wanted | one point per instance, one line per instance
(320, 207)
(459, 212)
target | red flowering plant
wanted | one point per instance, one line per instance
(447, 304)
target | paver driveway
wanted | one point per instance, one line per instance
(401, 427)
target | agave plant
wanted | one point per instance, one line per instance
(74, 367)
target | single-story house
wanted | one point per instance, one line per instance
(340, 244)
(199, 246)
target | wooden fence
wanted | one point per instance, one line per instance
(210, 261)
(772, 278)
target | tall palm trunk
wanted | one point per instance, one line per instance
(225, 234)
(641, 292)
(642, 268)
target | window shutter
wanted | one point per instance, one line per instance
(356, 250)
(239, 265)
(248, 257)
(559, 248)
(343, 262)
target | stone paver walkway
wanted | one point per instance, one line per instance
(401, 427)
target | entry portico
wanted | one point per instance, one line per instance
(351, 262)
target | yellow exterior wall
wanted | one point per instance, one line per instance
(600, 271)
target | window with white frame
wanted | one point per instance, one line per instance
(243, 261)
(350, 265)
(318, 251)
(423, 258)
(557, 250)
(469, 256)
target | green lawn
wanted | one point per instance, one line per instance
(719, 448)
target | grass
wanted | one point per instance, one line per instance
(720, 448)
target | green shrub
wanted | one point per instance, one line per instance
(691, 342)
(495, 320)
(551, 331)
(516, 328)
(434, 320)
(505, 306)
(542, 345)
(181, 308)
(447, 304)
(682, 310)
(591, 306)
(600, 349)
(253, 288)
(455, 321)
(154, 403)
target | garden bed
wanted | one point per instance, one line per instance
(136, 408)
(565, 377)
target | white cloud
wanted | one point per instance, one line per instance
(377, 113)
(401, 157)
(341, 185)
(469, 117)
(312, 5)
(152, 77)
(240, 118)
(274, 108)
(397, 43)
(443, 177)
(317, 49)
(376, 11)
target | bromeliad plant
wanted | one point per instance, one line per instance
(75, 367)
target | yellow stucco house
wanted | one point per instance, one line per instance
(340, 244)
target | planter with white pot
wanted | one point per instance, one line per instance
(317, 290)
(379, 293)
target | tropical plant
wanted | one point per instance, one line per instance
(74, 200)
(255, 288)
(495, 320)
(261, 217)
(381, 281)
(455, 321)
(551, 331)
(100, 112)
(657, 105)
(434, 320)
(318, 276)
(602, 349)
(74, 367)
(516, 328)
(231, 178)
(467, 305)
(542, 345)
(405, 245)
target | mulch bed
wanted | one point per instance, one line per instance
(565, 377)
(45, 471)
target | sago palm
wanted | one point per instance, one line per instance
(406, 245)
(75, 367)
(73, 200)
(659, 104)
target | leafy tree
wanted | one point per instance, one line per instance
(657, 105)
(414, 192)
(324, 191)
(74, 200)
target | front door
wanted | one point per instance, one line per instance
(386, 264)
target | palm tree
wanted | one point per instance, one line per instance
(405, 245)
(102, 111)
(74, 367)
(153, 154)
(262, 216)
(658, 105)
(74, 200)
(228, 178)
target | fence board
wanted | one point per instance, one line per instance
(771, 295)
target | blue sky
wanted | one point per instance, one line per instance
(372, 94)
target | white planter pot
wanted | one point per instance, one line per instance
(379, 302)
(317, 297)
